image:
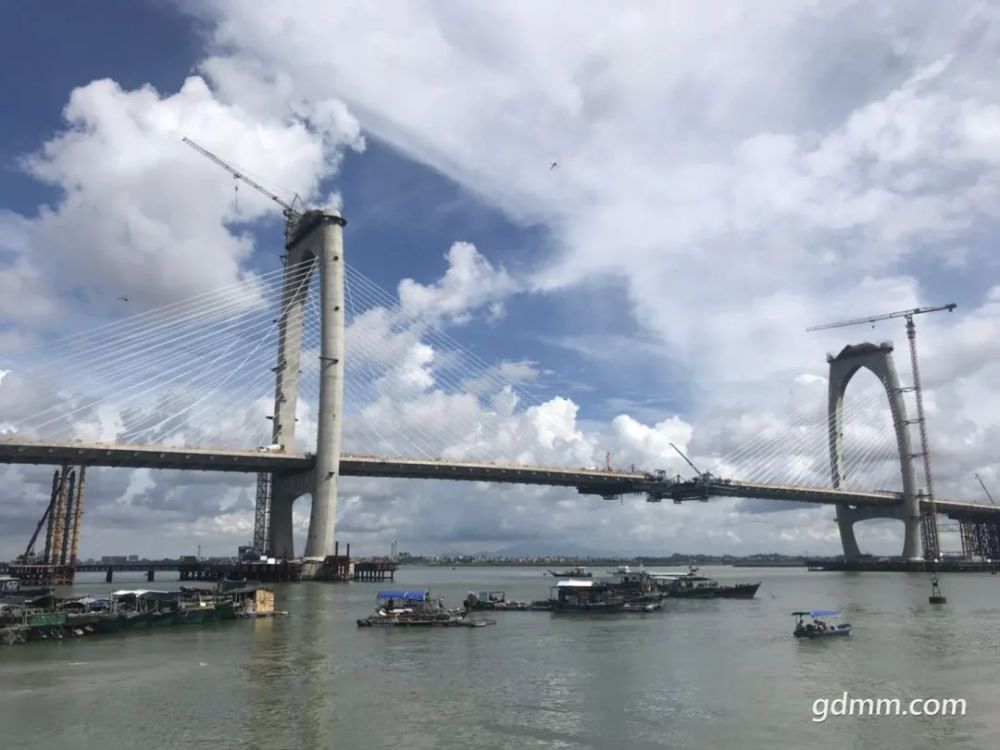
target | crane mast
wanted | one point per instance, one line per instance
(928, 525)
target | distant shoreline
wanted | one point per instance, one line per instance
(668, 562)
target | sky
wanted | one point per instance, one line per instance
(723, 178)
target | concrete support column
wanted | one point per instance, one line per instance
(298, 272)
(331, 387)
(285, 490)
(281, 542)
(845, 521)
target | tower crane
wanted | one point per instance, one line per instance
(928, 525)
(262, 505)
(288, 210)
(908, 314)
(983, 485)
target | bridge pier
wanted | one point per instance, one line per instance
(845, 522)
(285, 490)
(847, 516)
(109, 575)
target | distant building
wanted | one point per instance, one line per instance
(133, 558)
(113, 559)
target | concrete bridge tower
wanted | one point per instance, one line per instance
(314, 242)
(843, 367)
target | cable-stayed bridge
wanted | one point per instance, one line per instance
(364, 384)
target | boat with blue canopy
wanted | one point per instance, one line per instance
(407, 596)
(813, 624)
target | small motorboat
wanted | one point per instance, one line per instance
(812, 624)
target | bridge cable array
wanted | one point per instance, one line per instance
(199, 372)
(795, 451)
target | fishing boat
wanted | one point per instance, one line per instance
(737, 591)
(817, 627)
(494, 601)
(636, 587)
(402, 609)
(693, 586)
(572, 573)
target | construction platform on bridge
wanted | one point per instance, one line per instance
(41, 575)
(902, 565)
(336, 568)
(278, 571)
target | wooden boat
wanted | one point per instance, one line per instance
(817, 627)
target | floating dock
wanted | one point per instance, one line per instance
(900, 565)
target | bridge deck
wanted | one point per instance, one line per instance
(200, 459)
(588, 481)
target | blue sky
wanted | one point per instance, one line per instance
(724, 180)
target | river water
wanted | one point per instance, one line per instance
(700, 674)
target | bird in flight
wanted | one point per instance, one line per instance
(554, 165)
(123, 299)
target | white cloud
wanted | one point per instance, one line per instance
(143, 216)
(470, 282)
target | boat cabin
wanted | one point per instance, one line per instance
(688, 584)
(9, 585)
(399, 601)
(492, 597)
(632, 581)
(577, 593)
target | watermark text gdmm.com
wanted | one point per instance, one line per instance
(844, 705)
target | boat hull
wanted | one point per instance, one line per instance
(838, 632)
(739, 591)
(700, 593)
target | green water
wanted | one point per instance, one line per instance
(701, 674)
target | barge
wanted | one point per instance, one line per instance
(27, 617)
(416, 609)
